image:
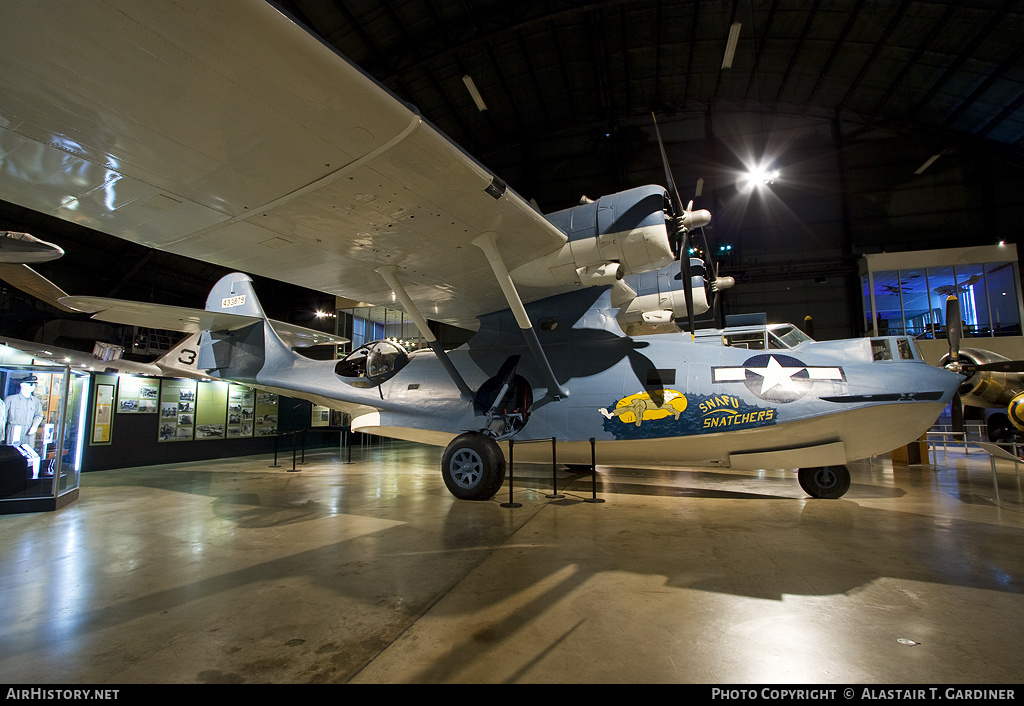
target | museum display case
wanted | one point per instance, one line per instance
(40, 458)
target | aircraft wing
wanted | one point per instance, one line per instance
(225, 132)
(177, 318)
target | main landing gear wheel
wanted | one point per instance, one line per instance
(473, 467)
(825, 481)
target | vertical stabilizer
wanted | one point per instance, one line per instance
(181, 361)
(234, 294)
(240, 353)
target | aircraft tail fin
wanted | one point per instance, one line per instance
(240, 353)
(181, 360)
(234, 294)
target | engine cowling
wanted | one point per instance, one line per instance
(983, 388)
(1015, 411)
(617, 235)
(653, 301)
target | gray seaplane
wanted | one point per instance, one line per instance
(226, 132)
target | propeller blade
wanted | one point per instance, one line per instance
(1003, 366)
(682, 221)
(684, 272)
(670, 183)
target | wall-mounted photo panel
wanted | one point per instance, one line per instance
(211, 410)
(241, 411)
(266, 413)
(179, 397)
(137, 395)
(320, 416)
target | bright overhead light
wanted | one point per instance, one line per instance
(758, 177)
(474, 94)
(730, 45)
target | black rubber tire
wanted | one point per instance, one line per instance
(828, 482)
(999, 428)
(473, 467)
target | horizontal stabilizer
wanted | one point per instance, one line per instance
(176, 318)
(31, 282)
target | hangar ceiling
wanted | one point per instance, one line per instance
(849, 100)
(947, 70)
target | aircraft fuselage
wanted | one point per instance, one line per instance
(660, 399)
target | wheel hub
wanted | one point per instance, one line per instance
(466, 468)
(826, 477)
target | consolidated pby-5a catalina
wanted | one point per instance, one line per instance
(227, 133)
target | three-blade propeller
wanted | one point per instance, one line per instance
(685, 220)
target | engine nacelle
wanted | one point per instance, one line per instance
(620, 234)
(1015, 411)
(653, 301)
(986, 389)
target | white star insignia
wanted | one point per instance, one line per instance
(774, 375)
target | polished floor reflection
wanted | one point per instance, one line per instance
(232, 571)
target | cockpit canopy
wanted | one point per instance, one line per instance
(372, 363)
(761, 337)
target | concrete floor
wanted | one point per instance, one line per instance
(370, 572)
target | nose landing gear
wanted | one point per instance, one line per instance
(825, 481)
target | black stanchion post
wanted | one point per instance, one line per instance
(276, 437)
(302, 459)
(593, 473)
(294, 443)
(554, 473)
(511, 475)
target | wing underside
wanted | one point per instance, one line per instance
(225, 132)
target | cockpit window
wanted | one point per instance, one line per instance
(880, 349)
(906, 349)
(372, 364)
(789, 336)
(754, 340)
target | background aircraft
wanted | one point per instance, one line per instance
(991, 381)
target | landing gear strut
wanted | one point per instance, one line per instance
(825, 481)
(473, 467)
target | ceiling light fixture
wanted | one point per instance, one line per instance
(928, 163)
(730, 45)
(474, 94)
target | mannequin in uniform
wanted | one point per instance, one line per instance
(24, 413)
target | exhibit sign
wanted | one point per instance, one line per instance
(103, 414)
